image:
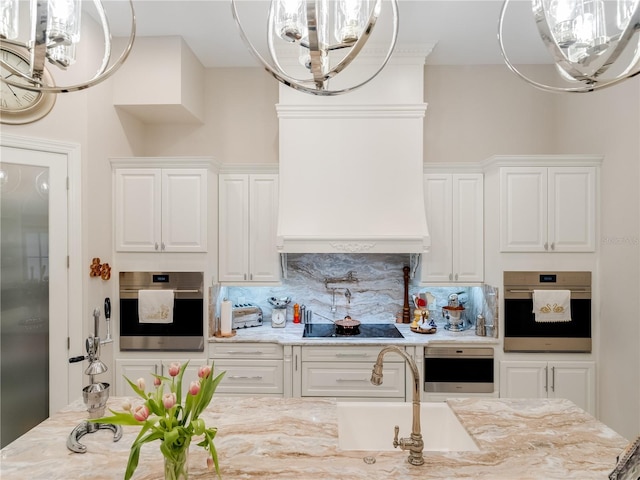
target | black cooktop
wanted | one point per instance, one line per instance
(367, 330)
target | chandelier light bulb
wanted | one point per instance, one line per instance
(594, 43)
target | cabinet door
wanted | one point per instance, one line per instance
(572, 209)
(184, 210)
(438, 262)
(134, 369)
(351, 379)
(468, 227)
(138, 210)
(234, 228)
(250, 377)
(523, 379)
(264, 262)
(574, 381)
(523, 209)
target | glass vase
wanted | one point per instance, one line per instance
(176, 467)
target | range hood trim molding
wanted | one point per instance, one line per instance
(417, 110)
(353, 244)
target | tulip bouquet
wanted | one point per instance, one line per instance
(163, 417)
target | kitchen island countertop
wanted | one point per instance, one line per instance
(296, 438)
(292, 335)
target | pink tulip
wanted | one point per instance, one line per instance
(141, 413)
(169, 400)
(204, 371)
(141, 384)
(174, 369)
(157, 382)
(126, 406)
(194, 388)
(210, 464)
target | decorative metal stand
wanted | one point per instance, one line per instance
(95, 395)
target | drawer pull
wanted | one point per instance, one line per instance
(352, 354)
(238, 352)
(244, 377)
(352, 380)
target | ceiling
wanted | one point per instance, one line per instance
(464, 32)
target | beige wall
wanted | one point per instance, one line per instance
(240, 121)
(608, 122)
(473, 113)
(480, 111)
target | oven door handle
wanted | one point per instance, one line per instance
(176, 291)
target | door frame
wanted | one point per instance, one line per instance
(75, 281)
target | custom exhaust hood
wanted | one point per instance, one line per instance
(351, 166)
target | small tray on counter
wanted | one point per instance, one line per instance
(428, 330)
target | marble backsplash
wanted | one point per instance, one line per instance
(375, 290)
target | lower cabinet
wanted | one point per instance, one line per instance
(574, 381)
(345, 372)
(134, 368)
(251, 368)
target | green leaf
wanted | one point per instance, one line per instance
(179, 386)
(136, 389)
(132, 464)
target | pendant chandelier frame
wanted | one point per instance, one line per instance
(318, 85)
(569, 70)
(37, 79)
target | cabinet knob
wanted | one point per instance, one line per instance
(156, 246)
(546, 246)
(553, 246)
(162, 246)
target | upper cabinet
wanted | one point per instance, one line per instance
(454, 208)
(548, 209)
(247, 230)
(160, 209)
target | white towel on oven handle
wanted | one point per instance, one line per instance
(155, 306)
(552, 306)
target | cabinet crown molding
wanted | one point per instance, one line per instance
(584, 160)
(166, 162)
(255, 168)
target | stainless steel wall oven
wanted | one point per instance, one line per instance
(184, 331)
(521, 331)
(458, 370)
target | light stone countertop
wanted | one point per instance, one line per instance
(297, 438)
(292, 335)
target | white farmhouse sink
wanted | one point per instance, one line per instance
(369, 426)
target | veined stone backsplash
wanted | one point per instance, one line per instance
(376, 285)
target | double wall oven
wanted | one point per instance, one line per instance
(183, 330)
(522, 333)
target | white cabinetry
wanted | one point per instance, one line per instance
(251, 368)
(454, 208)
(134, 368)
(248, 221)
(547, 209)
(160, 210)
(345, 372)
(554, 379)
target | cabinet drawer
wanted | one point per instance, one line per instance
(347, 353)
(250, 377)
(321, 379)
(246, 350)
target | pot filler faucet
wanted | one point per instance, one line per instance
(414, 444)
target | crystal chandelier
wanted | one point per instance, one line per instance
(55, 34)
(328, 35)
(594, 43)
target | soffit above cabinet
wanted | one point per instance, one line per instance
(176, 94)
